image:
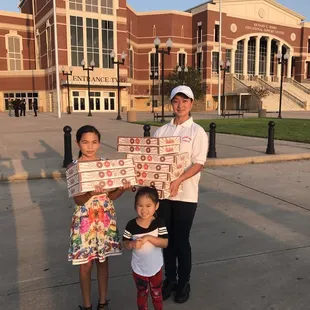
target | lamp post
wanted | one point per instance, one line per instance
(91, 68)
(154, 76)
(282, 59)
(225, 68)
(162, 51)
(182, 72)
(67, 74)
(117, 63)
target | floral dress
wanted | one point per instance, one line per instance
(94, 234)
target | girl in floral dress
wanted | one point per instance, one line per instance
(94, 234)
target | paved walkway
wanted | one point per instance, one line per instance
(250, 241)
(33, 146)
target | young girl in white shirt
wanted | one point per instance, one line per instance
(146, 235)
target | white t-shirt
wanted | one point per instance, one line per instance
(148, 260)
(194, 141)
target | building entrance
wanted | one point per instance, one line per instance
(30, 98)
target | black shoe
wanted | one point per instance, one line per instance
(168, 288)
(182, 293)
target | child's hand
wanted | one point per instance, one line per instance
(144, 239)
(98, 190)
(126, 186)
(137, 244)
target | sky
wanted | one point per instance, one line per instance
(300, 6)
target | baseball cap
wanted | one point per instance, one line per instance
(183, 90)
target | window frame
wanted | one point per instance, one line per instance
(15, 59)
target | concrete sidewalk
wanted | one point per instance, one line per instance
(250, 243)
(32, 148)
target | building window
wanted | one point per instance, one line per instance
(91, 6)
(92, 34)
(215, 62)
(309, 46)
(107, 7)
(14, 53)
(199, 34)
(107, 43)
(263, 57)
(154, 65)
(228, 58)
(239, 57)
(308, 70)
(77, 41)
(217, 33)
(49, 46)
(76, 5)
(199, 62)
(251, 56)
(181, 60)
(131, 55)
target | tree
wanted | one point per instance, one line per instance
(260, 93)
(192, 78)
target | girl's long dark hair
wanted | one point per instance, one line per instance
(86, 129)
(150, 192)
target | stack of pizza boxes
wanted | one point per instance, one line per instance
(109, 174)
(158, 161)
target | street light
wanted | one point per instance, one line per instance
(282, 59)
(91, 68)
(154, 76)
(117, 63)
(225, 68)
(163, 52)
(182, 72)
(67, 74)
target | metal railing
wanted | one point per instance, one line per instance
(298, 85)
(287, 95)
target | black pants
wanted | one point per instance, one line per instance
(35, 113)
(178, 216)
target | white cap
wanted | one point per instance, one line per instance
(183, 90)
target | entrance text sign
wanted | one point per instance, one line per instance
(259, 27)
(101, 80)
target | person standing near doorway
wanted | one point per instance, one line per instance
(35, 107)
(16, 107)
(10, 106)
(23, 108)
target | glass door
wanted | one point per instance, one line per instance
(78, 101)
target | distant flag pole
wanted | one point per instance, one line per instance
(219, 64)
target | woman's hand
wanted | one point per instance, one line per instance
(174, 187)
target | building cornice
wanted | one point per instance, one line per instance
(272, 2)
(15, 14)
(160, 12)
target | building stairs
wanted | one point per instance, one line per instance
(296, 97)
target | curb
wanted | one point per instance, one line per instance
(255, 159)
(216, 162)
(24, 176)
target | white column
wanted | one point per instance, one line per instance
(257, 49)
(280, 44)
(232, 61)
(245, 57)
(289, 67)
(268, 60)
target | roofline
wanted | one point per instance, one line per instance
(197, 6)
(16, 14)
(159, 12)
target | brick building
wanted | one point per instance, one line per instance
(253, 33)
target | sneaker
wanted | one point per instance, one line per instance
(182, 293)
(168, 288)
